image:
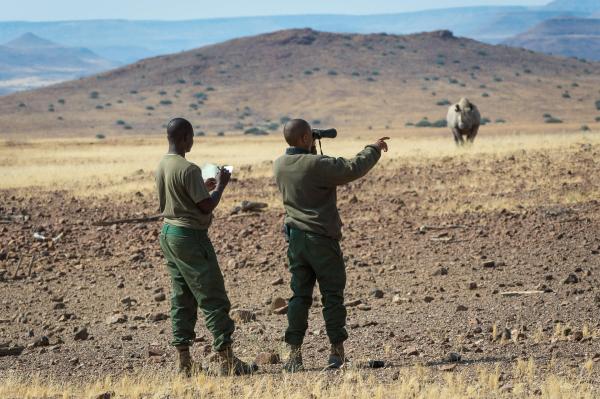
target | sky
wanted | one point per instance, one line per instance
(53, 10)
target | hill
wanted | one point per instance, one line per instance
(572, 37)
(30, 61)
(350, 81)
(586, 6)
(129, 41)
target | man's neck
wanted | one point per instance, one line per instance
(173, 150)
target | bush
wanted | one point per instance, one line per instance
(443, 102)
(547, 116)
(308, 72)
(272, 126)
(127, 127)
(197, 83)
(332, 73)
(61, 101)
(120, 122)
(316, 122)
(201, 96)
(598, 105)
(199, 133)
(99, 107)
(497, 79)
(210, 88)
(440, 123)
(482, 53)
(409, 124)
(452, 81)
(566, 95)
(255, 132)
(94, 95)
(500, 121)
(221, 134)
(485, 121)
(598, 119)
(552, 120)
(355, 74)
(133, 92)
(100, 136)
(485, 95)
(150, 108)
(162, 93)
(585, 128)
(284, 119)
(181, 81)
(423, 123)
(371, 79)
(166, 102)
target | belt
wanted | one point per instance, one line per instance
(169, 229)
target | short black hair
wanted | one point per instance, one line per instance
(178, 129)
(294, 130)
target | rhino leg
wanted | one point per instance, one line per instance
(458, 139)
(472, 134)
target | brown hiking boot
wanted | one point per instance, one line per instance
(294, 361)
(224, 363)
(337, 356)
(184, 361)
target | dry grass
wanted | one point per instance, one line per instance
(415, 382)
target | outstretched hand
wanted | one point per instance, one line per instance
(381, 144)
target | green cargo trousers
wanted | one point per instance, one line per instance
(316, 258)
(196, 282)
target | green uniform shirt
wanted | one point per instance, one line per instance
(180, 187)
(308, 184)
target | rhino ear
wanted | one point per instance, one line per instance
(457, 108)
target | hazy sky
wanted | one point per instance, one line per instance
(44, 10)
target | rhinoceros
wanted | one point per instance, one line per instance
(464, 120)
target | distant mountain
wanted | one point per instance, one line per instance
(129, 41)
(30, 61)
(571, 37)
(586, 6)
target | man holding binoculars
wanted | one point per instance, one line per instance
(308, 184)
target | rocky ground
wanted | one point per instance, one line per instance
(433, 269)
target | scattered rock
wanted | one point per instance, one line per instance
(116, 319)
(282, 310)
(489, 264)
(411, 351)
(571, 279)
(105, 395)
(377, 293)
(428, 299)
(364, 307)
(353, 303)
(461, 308)
(11, 350)
(447, 367)
(472, 285)
(398, 299)
(39, 342)
(454, 357)
(160, 297)
(264, 358)
(158, 317)
(278, 281)
(243, 316)
(442, 271)
(278, 303)
(81, 334)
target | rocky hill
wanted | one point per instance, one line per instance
(352, 81)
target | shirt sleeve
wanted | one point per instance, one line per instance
(194, 184)
(339, 171)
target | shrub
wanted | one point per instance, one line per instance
(598, 105)
(201, 96)
(598, 119)
(221, 134)
(133, 92)
(181, 81)
(99, 107)
(497, 79)
(284, 119)
(150, 108)
(162, 93)
(585, 128)
(316, 122)
(120, 122)
(482, 53)
(197, 83)
(440, 61)
(485, 121)
(127, 127)
(308, 72)
(443, 102)
(566, 95)
(409, 124)
(332, 73)
(166, 102)
(552, 120)
(94, 95)
(527, 71)
(452, 81)
(273, 126)
(440, 123)
(485, 95)
(375, 73)
(22, 105)
(423, 123)
(61, 101)
(210, 88)
(500, 121)
(255, 132)
(371, 79)
(199, 133)
(355, 74)
(100, 136)
(547, 115)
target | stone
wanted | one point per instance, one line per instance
(105, 395)
(442, 271)
(264, 358)
(447, 367)
(11, 350)
(158, 317)
(428, 299)
(489, 264)
(454, 357)
(398, 299)
(160, 297)
(278, 303)
(472, 285)
(363, 307)
(411, 351)
(577, 336)
(278, 281)
(571, 279)
(353, 303)
(127, 337)
(242, 315)
(116, 319)
(81, 334)
(461, 308)
(39, 342)
(377, 293)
